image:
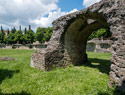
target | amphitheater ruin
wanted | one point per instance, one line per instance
(70, 33)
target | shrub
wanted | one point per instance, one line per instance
(100, 33)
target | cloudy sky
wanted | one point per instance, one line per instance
(37, 13)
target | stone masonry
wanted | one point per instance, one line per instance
(99, 46)
(70, 33)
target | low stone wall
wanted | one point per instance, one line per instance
(95, 45)
(19, 46)
(99, 46)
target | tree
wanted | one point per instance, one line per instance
(2, 35)
(100, 33)
(2, 29)
(48, 34)
(8, 32)
(9, 39)
(18, 37)
(13, 30)
(25, 31)
(29, 27)
(39, 34)
(20, 28)
(29, 37)
(43, 34)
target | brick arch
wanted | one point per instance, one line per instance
(62, 45)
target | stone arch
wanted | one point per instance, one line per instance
(63, 47)
(77, 33)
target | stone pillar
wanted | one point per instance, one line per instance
(117, 73)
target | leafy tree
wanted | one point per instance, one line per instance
(10, 38)
(48, 34)
(101, 33)
(18, 36)
(13, 30)
(39, 34)
(43, 34)
(2, 35)
(29, 37)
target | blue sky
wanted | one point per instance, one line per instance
(37, 13)
(68, 5)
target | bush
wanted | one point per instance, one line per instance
(101, 33)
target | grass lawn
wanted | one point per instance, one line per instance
(18, 78)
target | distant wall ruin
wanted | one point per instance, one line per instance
(99, 46)
(21, 46)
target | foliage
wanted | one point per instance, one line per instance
(13, 30)
(18, 36)
(10, 39)
(40, 34)
(101, 33)
(26, 37)
(17, 76)
(1, 37)
(29, 37)
(43, 34)
(48, 34)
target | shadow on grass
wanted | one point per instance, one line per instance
(4, 74)
(102, 64)
(22, 93)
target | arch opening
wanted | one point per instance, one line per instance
(76, 36)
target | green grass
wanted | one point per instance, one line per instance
(18, 78)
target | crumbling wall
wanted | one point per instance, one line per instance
(99, 46)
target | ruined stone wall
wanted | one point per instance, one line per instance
(20, 46)
(70, 33)
(99, 46)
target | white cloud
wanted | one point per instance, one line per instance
(87, 3)
(37, 13)
(13, 12)
(74, 10)
(46, 21)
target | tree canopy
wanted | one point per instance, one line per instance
(43, 34)
(25, 36)
(100, 33)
